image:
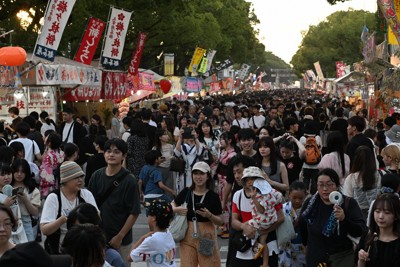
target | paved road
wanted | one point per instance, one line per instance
(141, 227)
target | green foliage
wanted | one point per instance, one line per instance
(173, 26)
(333, 2)
(335, 39)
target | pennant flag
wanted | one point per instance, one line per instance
(197, 56)
(318, 69)
(90, 40)
(389, 11)
(114, 42)
(364, 34)
(137, 55)
(169, 64)
(55, 20)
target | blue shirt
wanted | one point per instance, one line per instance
(150, 176)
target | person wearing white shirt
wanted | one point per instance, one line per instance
(32, 150)
(240, 121)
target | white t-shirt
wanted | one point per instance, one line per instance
(258, 120)
(29, 154)
(50, 208)
(243, 123)
(156, 250)
(126, 135)
(45, 127)
(67, 126)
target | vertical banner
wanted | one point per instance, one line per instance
(90, 41)
(389, 11)
(369, 49)
(55, 20)
(381, 24)
(197, 56)
(168, 64)
(318, 69)
(243, 72)
(203, 65)
(210, 57)
(137, 55)
(340, 69)
(114, 42)
(381, 51)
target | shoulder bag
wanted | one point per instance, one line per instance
(285, 232)
(240, 242)
(178, 226)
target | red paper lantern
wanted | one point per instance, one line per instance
(12, 56)
(165, 86)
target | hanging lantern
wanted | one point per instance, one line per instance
(165, 86)
(12, 56)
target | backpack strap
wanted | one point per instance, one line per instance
(58, 194)
(100, 200)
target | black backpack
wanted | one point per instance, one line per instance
(52, 242)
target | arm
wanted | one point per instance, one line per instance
(115, 242)
(227, 190)
(247, 229)
(276, 224)
(165, 188)
(284, 186)
(179, 142)
(138, 243)
(33, 210)
(140, 185)
(302, 149)
(52, 227)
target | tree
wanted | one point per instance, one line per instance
(333, 2)
(335, 39)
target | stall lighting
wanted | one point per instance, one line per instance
(87, 101)
(44, 93)
(101, 100)
(64, 102)
(18, 94)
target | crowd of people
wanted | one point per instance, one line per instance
(248, 168)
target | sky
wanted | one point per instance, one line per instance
(281, 21)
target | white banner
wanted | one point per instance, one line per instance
(113, 46)
(243, 72)
(210, 56)
(67, 75)
(55, 19)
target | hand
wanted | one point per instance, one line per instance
(10, 201)
(253, 194)
(248, 230)
(22, 197)
(194, 133)
(181, 211)
(147, 235)
(363, 255)
(338, 212)
(204, 212)
(115, 242)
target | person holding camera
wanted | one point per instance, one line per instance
(203, 212)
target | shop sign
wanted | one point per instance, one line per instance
(82, 93)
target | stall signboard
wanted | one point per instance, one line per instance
(82, 93)
(8, 76)
(193, 84)
(67, 75)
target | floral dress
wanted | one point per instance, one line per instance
(51, 160)
(293, 254)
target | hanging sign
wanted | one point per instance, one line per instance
(82, 93)
(224, 64)
(137, 55)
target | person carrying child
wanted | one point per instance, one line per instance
(263, 200)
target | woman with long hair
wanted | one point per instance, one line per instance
(275, 170)
(138, 144)
(364, 180)
(96, 120)
(168, 124)
(381, 246)
(203, 212)
(335, 158)
(211, 144)
(48, 124)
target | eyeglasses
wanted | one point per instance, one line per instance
(6, 225)
(327, 185)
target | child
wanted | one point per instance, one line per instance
(157, 247)
(263, 200)
(29, 198)
(151, 184)
(293, 254)
(381, 246)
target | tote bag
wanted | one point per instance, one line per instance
(285, 232)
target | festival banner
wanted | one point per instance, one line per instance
(381, 51)
(8, 76)
(168, 64)
(116, 86)
(381, 24)
(67, 75)
(223, 65)
(114, 42)
(389, 8)
(55, 20)
(197, 56)
(340, 69)
(210, 57)
(243, 72)
(214, 87)
(82, 93)
(193, 85)
(369, 49)
(137, 55)
(318, 69)
(90, 41)
(203, 65)
(146, 81)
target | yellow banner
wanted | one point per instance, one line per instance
(197, 56)
(391, 37)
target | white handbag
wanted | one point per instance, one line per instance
(178, 226)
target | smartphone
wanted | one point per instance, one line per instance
(17, 190)
(199, 206)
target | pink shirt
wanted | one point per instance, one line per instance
(332, 161)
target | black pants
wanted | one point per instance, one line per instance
(310, 179)
(273, 262)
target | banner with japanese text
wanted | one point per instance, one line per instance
(8, 76)
(114, 42)
(82, 93)
(318, 69)
(196, 59)
(210, 57)
(243, 72)
(67, 75)
(369, 49)
(388, 8)
(137, 55)
(340, 69)
(203, 65)
(193, 84)
(169, 64)
(55, 20)
(223, 65)
(90, 41)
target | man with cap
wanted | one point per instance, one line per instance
(60, 202)
(242, 215)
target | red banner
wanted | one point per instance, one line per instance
(82, 93)
(90, 41)
(137, 54)
(340, 69)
